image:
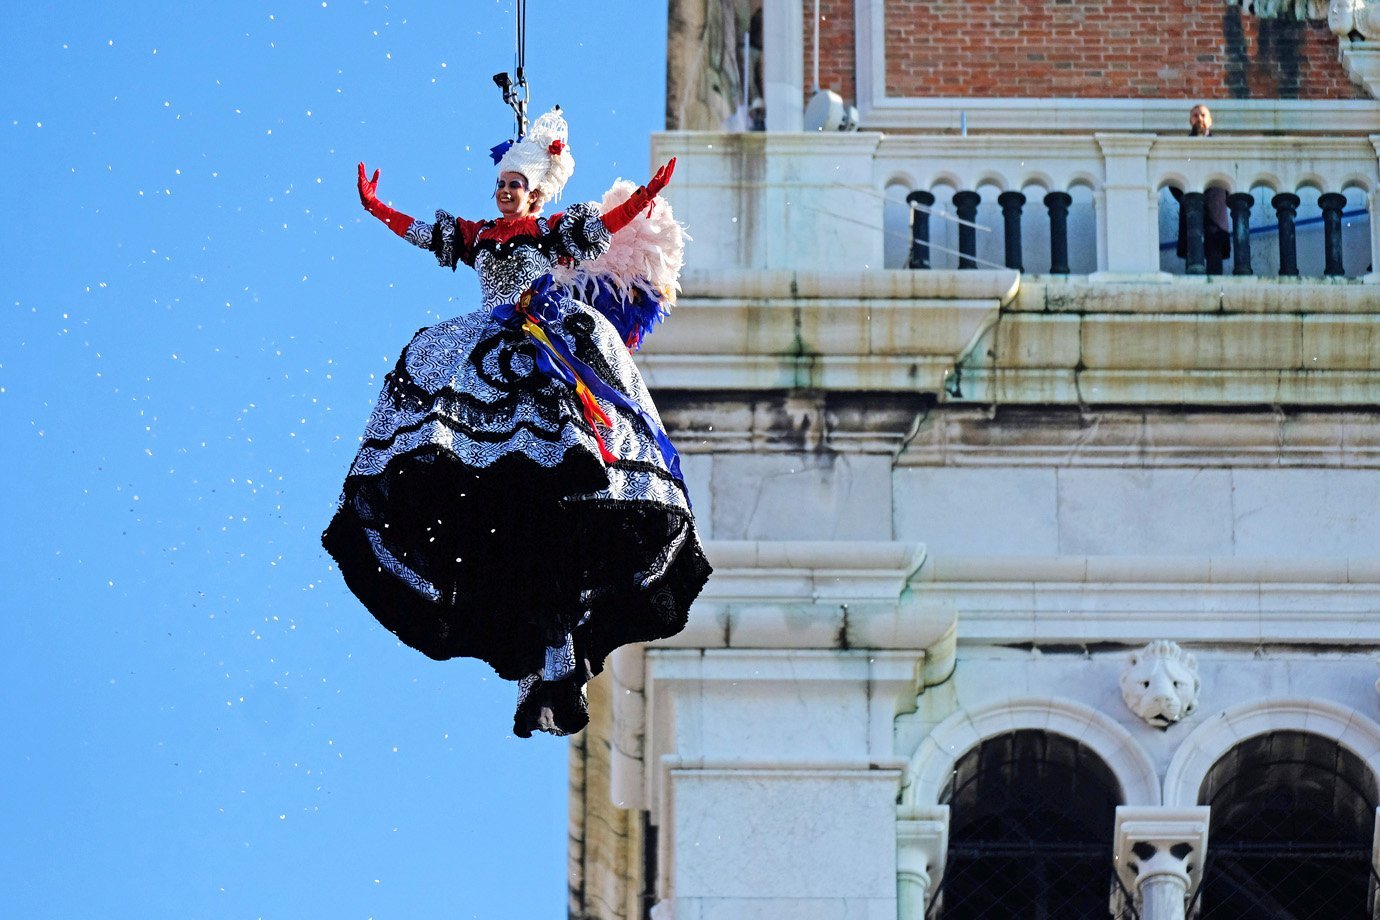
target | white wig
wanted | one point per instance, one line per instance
(543, 156)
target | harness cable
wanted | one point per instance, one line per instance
(515, 91)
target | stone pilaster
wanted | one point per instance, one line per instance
(1124, 222)
(922, 841)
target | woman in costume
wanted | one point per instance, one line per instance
(515, 497)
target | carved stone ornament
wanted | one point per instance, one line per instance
(1346, 18)
(1354, 18)
(1283, 9)
(1356, 23)
(1160, 683)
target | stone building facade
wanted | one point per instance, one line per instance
(1047, 574)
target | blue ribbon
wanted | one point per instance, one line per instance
(498, 150)
(545, 303)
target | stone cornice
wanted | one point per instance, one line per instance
(1362, 62)
(916, 432)
(1357, 25)
(811, 570)
(1223, 342)
(813, 595)
(1004, 114)
(1086, 600)
(1000, 285)
(981, 337)
(1152, 438)
(875, 330)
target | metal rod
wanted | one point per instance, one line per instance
(951, 217)
(893, 233)
(747, 69)
(816, 46)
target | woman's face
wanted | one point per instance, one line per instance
(513, 196)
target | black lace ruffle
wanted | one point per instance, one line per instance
(499, 563)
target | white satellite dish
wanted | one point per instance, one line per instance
(827, 112)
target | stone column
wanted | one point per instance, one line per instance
(1286, 205)
(919, 228)
(1240, 204)
(1375, 858)
(1374, 273)
(1373, 201)
(1011, 204)
(966, 204)
(1195, 262)
(922, 842)
(783, 66)
(1058, 205)
(1332, 204)
(1159, 854)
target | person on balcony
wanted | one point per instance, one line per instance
(1216, 220)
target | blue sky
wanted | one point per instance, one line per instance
(201, 720)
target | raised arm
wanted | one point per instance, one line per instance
(450, 239)
(397, 221)
(645, 197)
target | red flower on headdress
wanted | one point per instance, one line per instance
(556, 147)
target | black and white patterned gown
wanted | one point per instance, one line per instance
(479, 518)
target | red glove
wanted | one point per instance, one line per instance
(397, 221)
(662, 178)
(644, 197)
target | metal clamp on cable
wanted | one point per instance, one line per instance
(515, 88)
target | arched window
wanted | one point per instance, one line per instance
(1292, 827)
(1032, 816)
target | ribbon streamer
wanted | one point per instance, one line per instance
(541, 303)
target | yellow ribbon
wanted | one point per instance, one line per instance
(581, 390)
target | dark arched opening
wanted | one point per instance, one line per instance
(1030, 831)
(1293, 818)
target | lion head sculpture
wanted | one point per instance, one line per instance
(1160, 683)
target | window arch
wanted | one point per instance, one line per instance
(1291, 832)
(932, 763)
(1032, 816)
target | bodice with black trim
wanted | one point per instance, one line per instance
(511, 253)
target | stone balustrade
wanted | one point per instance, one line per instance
(782, 201)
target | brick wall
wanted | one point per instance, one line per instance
(836, 48)
(1189, 49)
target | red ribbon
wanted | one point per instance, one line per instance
(590, 409)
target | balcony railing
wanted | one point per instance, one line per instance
(1056, 204)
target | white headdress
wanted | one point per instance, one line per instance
(543, 156)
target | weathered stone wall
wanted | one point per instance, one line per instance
(905, 567)
(605, 851)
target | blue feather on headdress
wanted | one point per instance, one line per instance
(498, 151)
